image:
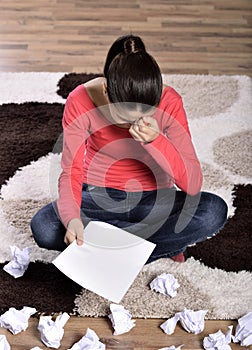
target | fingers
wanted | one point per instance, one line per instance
(149, 121)
(145, 121)
(69, 237)
(75, 231)
(145, 129)
(138, 132)
(135, 133)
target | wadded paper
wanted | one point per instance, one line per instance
(15, 320)
(90, 341)
(51, 331)
(120, 319)
(4, 345)
(218, 340)
(19, 263)
(191, 321)
(108, 261)
(165, 284)
(243, 332)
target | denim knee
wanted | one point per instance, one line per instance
(37, 229)
(215, 213)
(47, 229)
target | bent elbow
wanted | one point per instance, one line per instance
(195, 185)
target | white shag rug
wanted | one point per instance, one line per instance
(219, 110)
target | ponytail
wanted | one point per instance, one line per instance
(132, 74)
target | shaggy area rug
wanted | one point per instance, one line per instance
(217, 275)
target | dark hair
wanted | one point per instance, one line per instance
(132, 73)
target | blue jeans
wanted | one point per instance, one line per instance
(170, 218)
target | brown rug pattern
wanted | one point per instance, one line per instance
(28, 132)
(43, 286)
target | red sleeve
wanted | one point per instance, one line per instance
(173, 149)
(75, 132)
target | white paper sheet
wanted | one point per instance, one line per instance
(108, 261)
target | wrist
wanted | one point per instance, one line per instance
(73, 221)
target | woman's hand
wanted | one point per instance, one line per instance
(75, 230)
(145, 129)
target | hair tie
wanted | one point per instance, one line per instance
(133, 45)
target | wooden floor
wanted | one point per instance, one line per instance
(186, 37)
(146, 335)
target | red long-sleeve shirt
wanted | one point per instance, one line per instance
(99, 153)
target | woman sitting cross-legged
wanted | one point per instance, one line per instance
(128, 160)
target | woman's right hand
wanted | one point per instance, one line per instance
(75, 230)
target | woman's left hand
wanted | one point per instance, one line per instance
(145, 129)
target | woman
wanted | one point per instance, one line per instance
(128, 160)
